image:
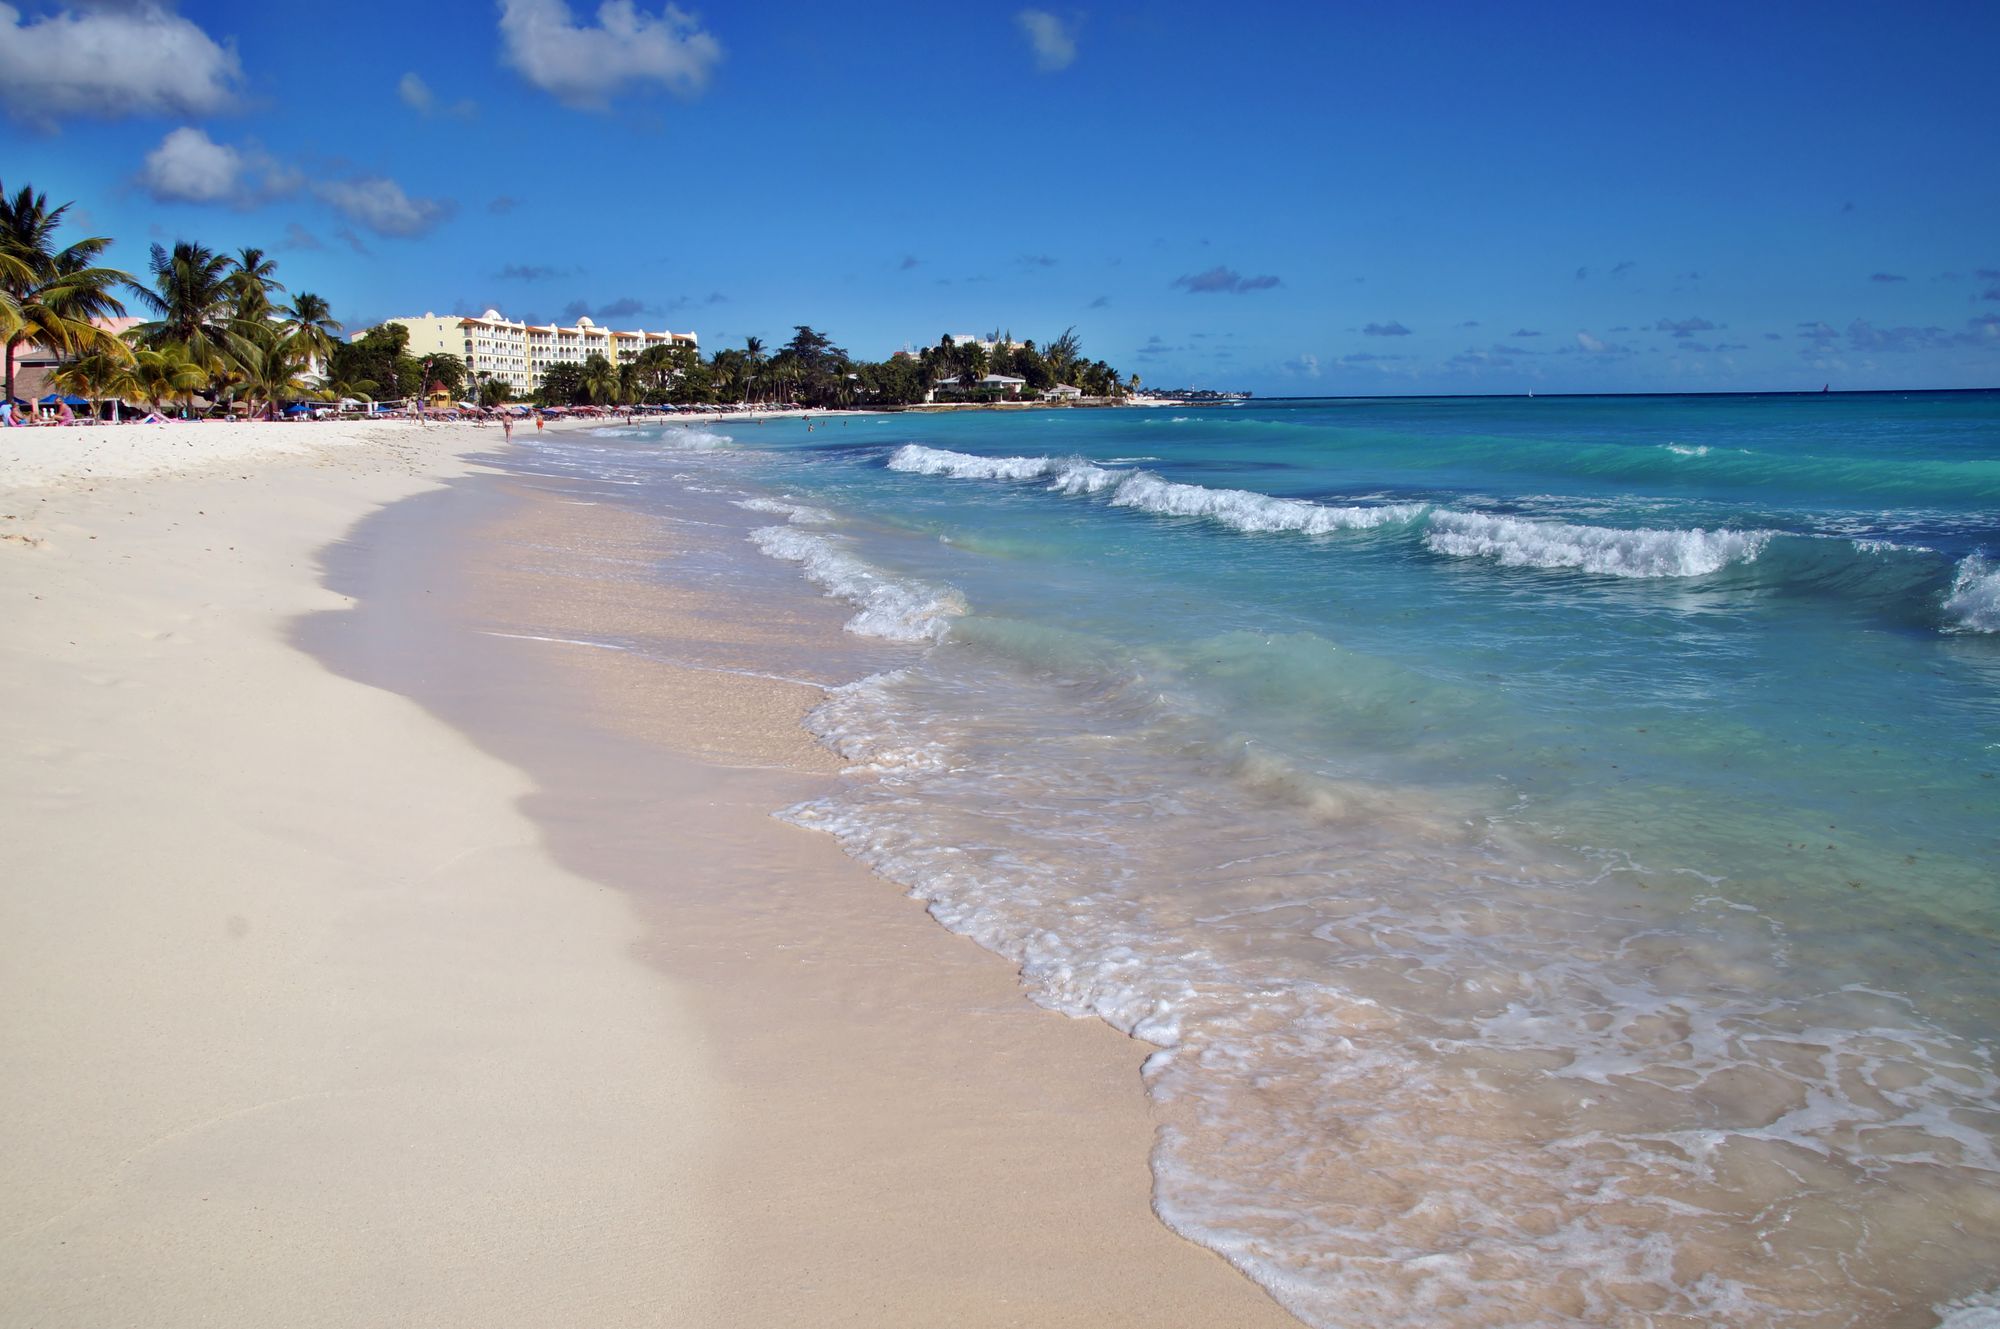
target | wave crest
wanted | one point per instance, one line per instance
(1518, 542)
(1974, 598)
(890, 608)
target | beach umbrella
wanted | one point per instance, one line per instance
(298, 408)
(53, 400)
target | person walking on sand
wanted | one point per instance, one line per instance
(538, 422)
(507, 426)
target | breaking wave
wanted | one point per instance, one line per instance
(1516, 542)
(1974, 599)
(890, 608)
(1508, 541)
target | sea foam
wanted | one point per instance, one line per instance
(890, 608)
(1240, 509)
(1974, 599)
(1517, 542)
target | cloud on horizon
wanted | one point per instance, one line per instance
(1221, 279)
(135, 57)
(1885, 276)
(1049, 38)
(1389, 329)
(584, 66)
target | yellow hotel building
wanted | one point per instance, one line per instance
(517, 354)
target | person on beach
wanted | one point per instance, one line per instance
(538, 423)
(507, 426)
(64, 415)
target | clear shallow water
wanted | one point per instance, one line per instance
(1553, 843)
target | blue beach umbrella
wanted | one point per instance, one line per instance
(52, 400)
(298, 408)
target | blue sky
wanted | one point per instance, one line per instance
(1307, 199)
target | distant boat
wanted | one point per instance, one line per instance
(1826, 387)
(1531, 394)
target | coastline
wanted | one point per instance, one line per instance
(334, 1019)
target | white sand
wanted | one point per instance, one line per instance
(303, 1026)
(306, 1027)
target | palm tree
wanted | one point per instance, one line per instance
(971, 362)
(191, 300)
(753, 353)
(1063, 355)
(50, 295)
(310, 318)
(164, 373)
(267, 362)
(251, 283)
(98, 374)
(600, 379)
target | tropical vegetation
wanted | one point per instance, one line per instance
(811, 371)
(219, 332)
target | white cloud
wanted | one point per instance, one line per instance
(109, 60)
(416, 94)
(190, 167)
(1589, 343)
(380, 204)
(1054, 43)
(584, 66)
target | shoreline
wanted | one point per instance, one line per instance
(371, 1037)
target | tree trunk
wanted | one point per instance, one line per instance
(11, 344)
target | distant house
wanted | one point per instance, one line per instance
(1063, 392)
(1004, 383)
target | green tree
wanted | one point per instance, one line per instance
(562, 385)
(252, 280)
(440, 369)
(164, 374)
(1062, 355)
(494, 392)
(600, 380)
(375, 358)
(971, 362)
(51, 295)
(268, 365)
(100, 374)
(310, 318)
(753, 354)
(191, 301)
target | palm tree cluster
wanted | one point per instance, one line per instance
(216, 331)
(811, 371)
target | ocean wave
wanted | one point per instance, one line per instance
(1610, 551)
(917, 459)
(798, 514)
(697, 440)
(890, 608)
(1240, 509)
(1247, 510)
(1974, 599)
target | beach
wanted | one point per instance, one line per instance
(506, 1004)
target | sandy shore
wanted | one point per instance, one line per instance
(322, 1012)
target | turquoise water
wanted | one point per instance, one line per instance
(1553, 842)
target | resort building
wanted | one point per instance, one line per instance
(518, 354)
